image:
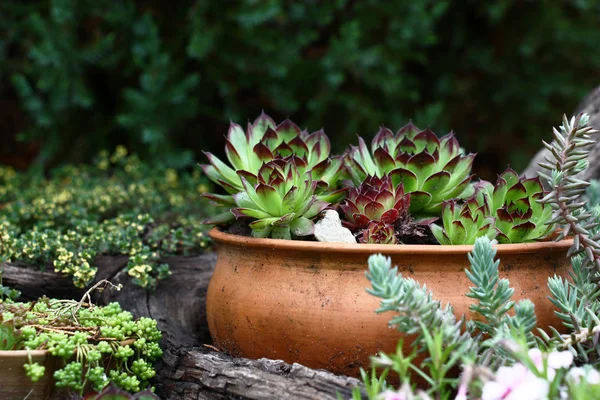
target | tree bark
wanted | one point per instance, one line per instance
(591, 106)
(197, 374)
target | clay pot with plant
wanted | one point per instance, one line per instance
(276, 292)
(52, 348)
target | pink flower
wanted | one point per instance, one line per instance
(560, 359)
(515, 383)
(389, 395)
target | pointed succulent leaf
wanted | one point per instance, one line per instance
(516, 192)
(233, 156)
(390, 216)
(406, 177)
(419, 201)
(459, 232)
(288, 203)
(520, 233)
(288, 130)
(259, 127)
(436, 183)
(302, 227)
(374, 210)
(262, 152)
(409, 130)
(218, 219)
(532, 186)
(316, 207)
(249, 212)
(243, 200)
(440, 234)
(510, 176)
(422, 165)
(226, 200)
(384, 161)
(226, 173)
(237, 138)
(406, 146)
(426, 140)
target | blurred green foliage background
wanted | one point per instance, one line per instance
(165, 77)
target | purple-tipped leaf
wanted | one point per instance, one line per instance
(288, 130)
(436, 183)
(218, 219)
(426, 139)
(259, 127)
(408, 130)
(418, 201)
(404, 176)
(519, 233)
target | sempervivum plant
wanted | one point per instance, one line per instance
(263, 142)
(514, 204)
(375, 199)
(432, 169)
(377, 211)
(509, 211)
(464, 222)
(281, 199)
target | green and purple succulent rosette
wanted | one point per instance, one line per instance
(263, 143)
(464, 222)
(282, 200)
(379, 232)
(432, 169)
(375, 200)
(509, 211)
(514, 204)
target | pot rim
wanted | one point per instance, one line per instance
(22, 353)
(298, 245)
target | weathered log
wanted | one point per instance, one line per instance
(198, 374)
(591, 106)
(178, 303)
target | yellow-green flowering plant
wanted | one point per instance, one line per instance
(119, 205)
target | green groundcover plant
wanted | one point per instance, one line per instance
(406, 187)
(496, 356)
(96, 346)
(118, 205)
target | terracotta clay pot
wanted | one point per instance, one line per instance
(306, 302)
(14, 383)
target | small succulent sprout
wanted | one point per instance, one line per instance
(514, 204)
(464, 222)
(281, 199)
(432, 169)
(375, 200)
(379, 232)
(264, 141)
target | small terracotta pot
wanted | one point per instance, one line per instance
(14, 383)
(306, 302)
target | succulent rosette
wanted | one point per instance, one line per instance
(432, 169)
(464, 222)
(514, 204)
(379, 232)
(265, 141)
(281, 199)
(375, 199)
